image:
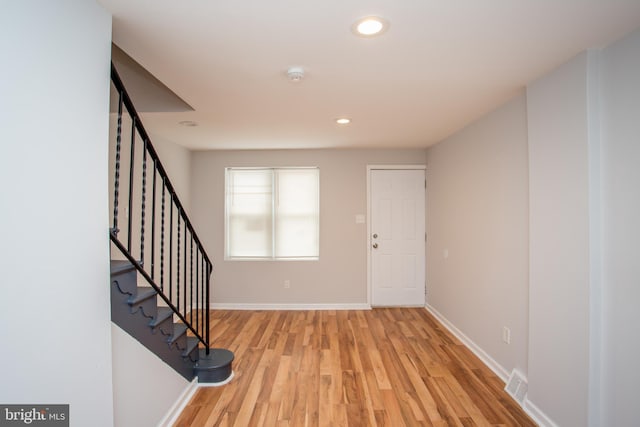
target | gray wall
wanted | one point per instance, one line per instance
(340, 276)
(477, 211)
(54, 248)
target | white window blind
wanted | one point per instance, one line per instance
(272, 213)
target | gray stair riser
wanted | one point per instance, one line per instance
(125, 282)
(124, 275)
(165, 327)
(148, 305)
(191, 351)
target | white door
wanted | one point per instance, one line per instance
(397, 240)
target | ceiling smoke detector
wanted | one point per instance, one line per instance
(295, 74)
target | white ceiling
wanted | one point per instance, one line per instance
(440, 65)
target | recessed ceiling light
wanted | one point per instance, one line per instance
(188, 123)
(343, 121)
(369, 26)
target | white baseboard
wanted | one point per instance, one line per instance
(538, 416)
(180, 404)
(221, 383)
(241, 306)
(497, 368)
(185, 398)
(532, 410)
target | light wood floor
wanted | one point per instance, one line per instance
(380, 367)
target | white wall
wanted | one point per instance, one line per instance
(54, 304)
(621, 231)
(559, 283)
(340, 276)
(145, 388)
(477, 211)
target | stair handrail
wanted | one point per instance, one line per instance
(200, 328)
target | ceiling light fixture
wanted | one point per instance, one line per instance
(343, 121)
(295, 74)
(369, 26)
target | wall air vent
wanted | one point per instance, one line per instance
(517, 386)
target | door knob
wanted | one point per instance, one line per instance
(375, 246)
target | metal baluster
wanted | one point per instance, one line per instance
(178, 264)
(171, 250)
(202, 306)
(197, 287)
(116, 185)
(144, 199)
(162, 240)
(131, 169)
(153, 221)
(207, 308)
(184, 282)
(191, 279)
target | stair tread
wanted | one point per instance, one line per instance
(216, 359)
(121, 266)
(143, 294)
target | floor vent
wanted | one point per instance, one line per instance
(517, 386)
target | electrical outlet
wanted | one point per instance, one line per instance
(506, 335)
(287, 284)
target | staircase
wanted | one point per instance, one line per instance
(159, 292)
(135, 309)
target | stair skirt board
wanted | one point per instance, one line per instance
(135, 309)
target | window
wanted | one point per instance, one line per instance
(272, 213)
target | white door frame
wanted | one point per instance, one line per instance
(369, 169)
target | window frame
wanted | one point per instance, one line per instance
(274, 197)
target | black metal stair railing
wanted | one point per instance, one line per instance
(177, 265)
